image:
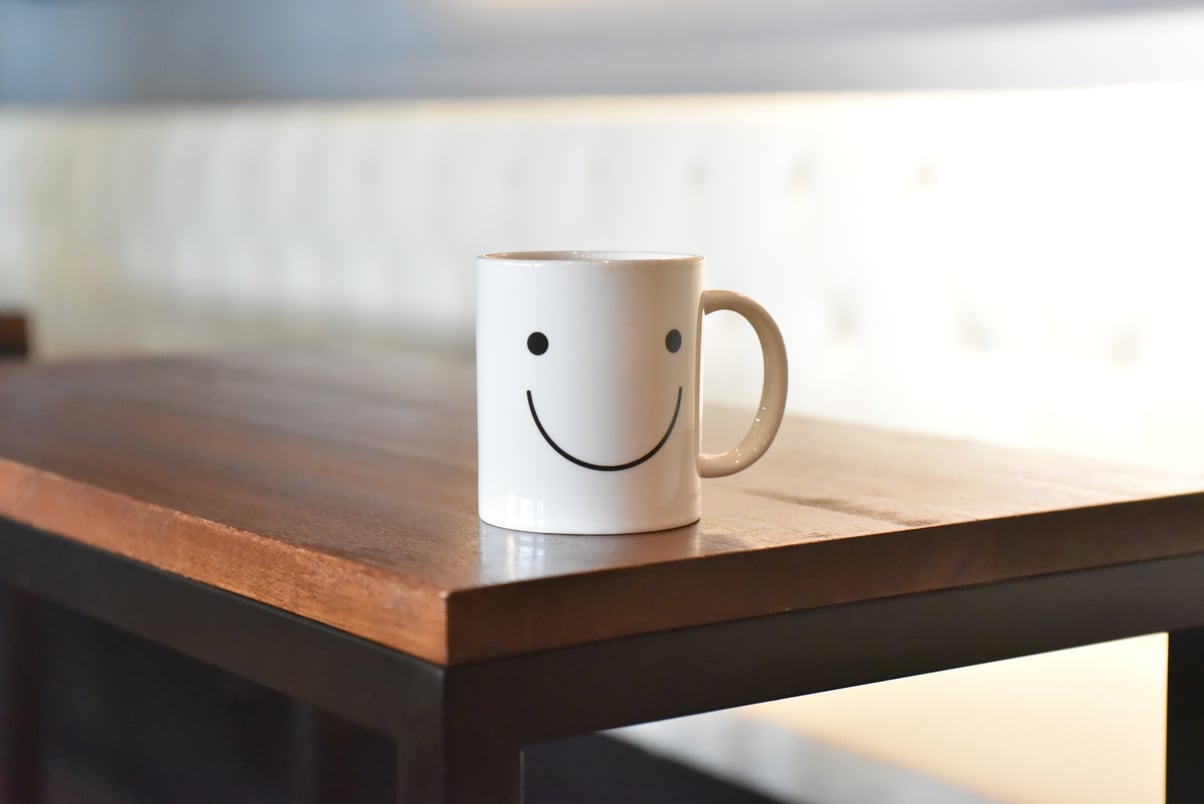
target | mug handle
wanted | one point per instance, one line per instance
(773, 388)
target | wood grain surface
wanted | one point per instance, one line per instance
(342, 487)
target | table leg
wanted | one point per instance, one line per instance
(1185, 716)
(305, 753)
(20, 701)
(465, 771)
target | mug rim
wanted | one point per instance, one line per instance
(600, 256)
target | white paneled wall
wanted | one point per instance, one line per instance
(1023, 267)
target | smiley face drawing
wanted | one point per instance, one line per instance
(587, 391)
(537, 345)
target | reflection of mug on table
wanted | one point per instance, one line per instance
(588, 390)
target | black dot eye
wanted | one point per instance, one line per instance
(537, 343)
(673, 340)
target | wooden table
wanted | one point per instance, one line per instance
(308, 521)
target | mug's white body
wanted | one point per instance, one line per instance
(587, 391)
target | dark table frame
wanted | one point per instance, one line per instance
(460, 731)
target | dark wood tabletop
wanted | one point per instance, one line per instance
(342, 488)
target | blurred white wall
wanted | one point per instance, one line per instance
(1021, 267)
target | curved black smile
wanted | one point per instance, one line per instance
(600, 466)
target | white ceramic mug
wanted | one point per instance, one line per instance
(588, 390)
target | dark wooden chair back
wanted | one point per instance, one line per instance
(14, 334)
